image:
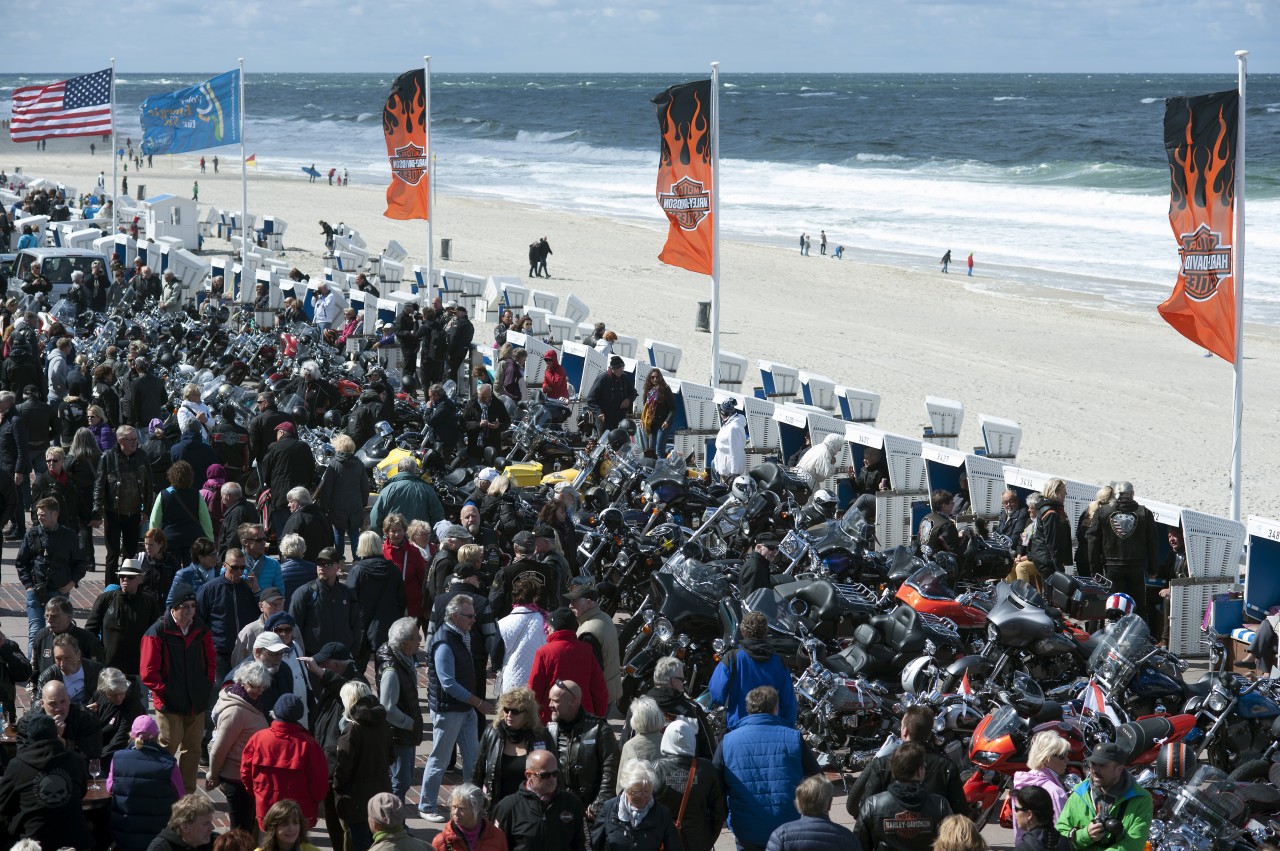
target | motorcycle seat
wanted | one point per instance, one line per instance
(866, 635)
(1200, 689)
(1137, 737)
(1261, 797)
(820, 595)
(455, 477)
(1050, 711)
(901, 629)
(849, 661)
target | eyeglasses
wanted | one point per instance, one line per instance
(235, 568)
(252, 540)
(468, 615)
(187, 606)
(545, 775)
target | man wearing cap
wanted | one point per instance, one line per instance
(122, 617)
(122, 490)
(458, 334)
(268, 649)
(596, 628)
(613, 395)
(544, 550)
(542, 815)
(178, 665)
(524, 566)
(286, 465)
(446, 559)
(284, 762)
(1123, 543)
(262, 428)
(227, 605)
(300, 668)
(566, 656)
(270, 601)
(325, 306)
(1110, 792)
(731, 442)
(386, 823)
(757, 568)
(324, 610)
(407, 494)
(485, 420)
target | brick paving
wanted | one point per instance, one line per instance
(13, 623)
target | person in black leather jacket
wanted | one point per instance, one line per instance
(586, 747)
(906, 816)
(1012, 518)
(1122, 543)
(442, 417)
(506, 744)
(942, 777)
(486, 420)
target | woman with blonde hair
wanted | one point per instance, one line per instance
(1050, 545)
(284, 829)
(959, 833)
(192, 409)
(362, 768)
(103, 434)
(343, 493)
(1046, 763)
(1084, 523)
(514, 733)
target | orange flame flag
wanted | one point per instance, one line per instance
(685, 175)
(404, 123)
(1200, 139)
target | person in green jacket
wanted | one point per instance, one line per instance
(1110, 793)
(407, 494)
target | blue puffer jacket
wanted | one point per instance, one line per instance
(761, 763)
(142, 794)
(812, 833)
(752, 665)
(227, 608)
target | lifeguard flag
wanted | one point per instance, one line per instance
(252, 160)
(404, 123)
(1200, 139)
(685, 175)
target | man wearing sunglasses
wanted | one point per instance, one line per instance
(541, 815)
(585, 745)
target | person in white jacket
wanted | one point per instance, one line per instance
(522, 632)
(731, 442)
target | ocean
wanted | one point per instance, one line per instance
(1058, 180)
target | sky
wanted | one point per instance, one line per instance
(857, 36)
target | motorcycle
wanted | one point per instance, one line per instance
(929, 590)
(1208, 813)
(843, 719)
(1234, 717)
(1135, 677)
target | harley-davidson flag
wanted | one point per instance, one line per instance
(685, 189)
(404, 123)
(1200, 139)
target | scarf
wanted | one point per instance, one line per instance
(511, 734)
(466, 636)
(629, 814)
(238, 691)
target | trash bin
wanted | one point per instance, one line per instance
(703, 322)
(446, 249)
(142, 192)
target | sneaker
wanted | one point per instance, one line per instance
(434, 816)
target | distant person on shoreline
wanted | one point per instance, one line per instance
(346, 178)
(970, 264)
(215, 165)
(839, 253)
(946, 261)
(312, 174)
(202, 165)
(822, 245)
(332, 172)
(803, 237)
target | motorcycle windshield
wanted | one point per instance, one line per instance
(1027, 595)
(931, 581)
(288, 403)
(771, 604)
(698, 578)
(853, 524)
(1209, 796)
(1005, 721)
(1122, 647)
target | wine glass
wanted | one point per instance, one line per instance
(95, 770)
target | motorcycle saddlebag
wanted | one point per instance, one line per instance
(1080, 597)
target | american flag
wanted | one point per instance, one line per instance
(80, 106)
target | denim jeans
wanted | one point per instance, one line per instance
(401, 770)
(35, 616)
(352, 531)
(448, 729)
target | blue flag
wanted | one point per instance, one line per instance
(204, 116)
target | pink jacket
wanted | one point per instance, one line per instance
(1045, 779)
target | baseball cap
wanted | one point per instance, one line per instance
(280, 619)
(456, 531)
(579, 590)
(129, 567)
(1107, 753)
(271, 592)
(328, 556)
(543, 530)
(523, 541)
(768, 539)
(287, 426)
(144, 725)
(488, 474)
(269, 641)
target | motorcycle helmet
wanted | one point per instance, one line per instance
(299, 414)
(1176, 761)
(333, 419)
(825, 502)
(611, 519)
(586, 421)
(1023, 694)
(742, 489)
(628, 425)
(1119, 604)
(916, 675)
(596, 497)
(668, 536)
(383, 428)
(618, 438)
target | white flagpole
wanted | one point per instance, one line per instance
(244, 191)
(115, 187)
(1237, 408)
(431, 177)
(715, 224)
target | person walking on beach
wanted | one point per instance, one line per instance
(311, 174)
(215, 165)
(970, 264)
(946, 261)
(803, 237)
(195, 191)
(544, 249)
(332, 171)
(202, 165)
(822, 244)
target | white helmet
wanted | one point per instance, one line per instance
(915, 677)
(742, 489)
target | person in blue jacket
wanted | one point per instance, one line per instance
(753, 664)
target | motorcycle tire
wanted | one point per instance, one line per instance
(1253, 771)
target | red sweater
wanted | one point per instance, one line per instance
(413, 569)
(285, 762)
(567, 657)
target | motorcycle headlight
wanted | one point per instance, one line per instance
(1218, 701)
(663, 630)
(984, 757)
(623, 561)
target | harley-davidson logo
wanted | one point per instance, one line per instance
(907, 825)
(688, 203)
(409, 163)
(1205, 262)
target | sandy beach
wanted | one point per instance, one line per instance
(1101, 392)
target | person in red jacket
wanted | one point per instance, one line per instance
(555, 381)
(400, 551)
(284, 762)
(565, 656)
(178, 667)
